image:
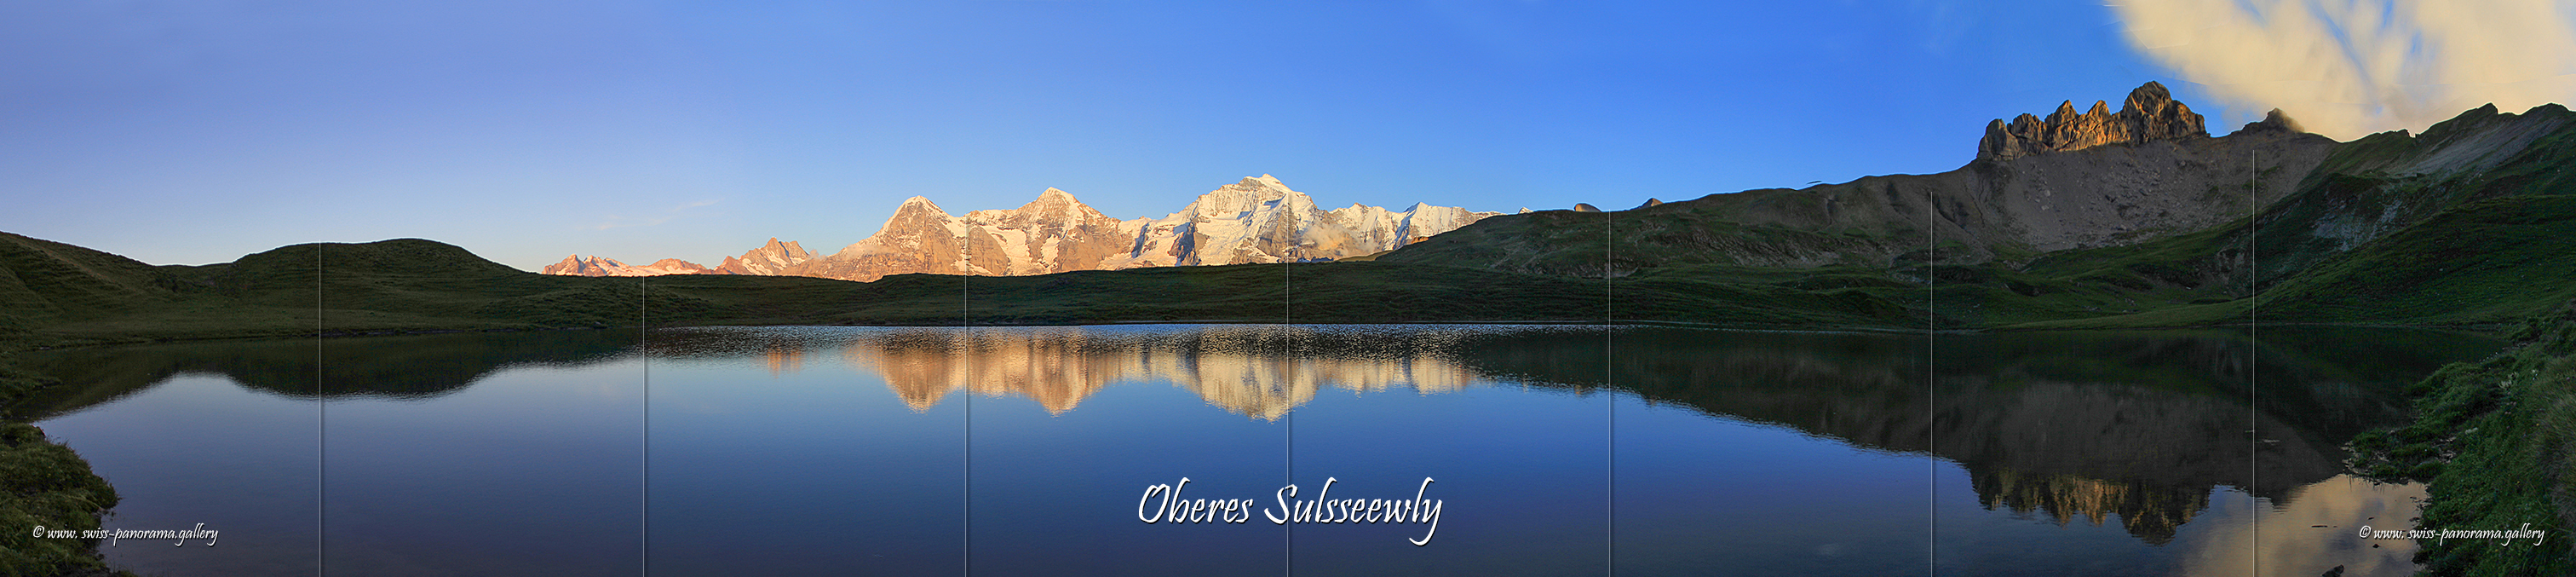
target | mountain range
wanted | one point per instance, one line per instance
(1256, 220)
(2081, 219)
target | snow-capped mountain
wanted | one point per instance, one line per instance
(1260, 220)
(1256, 220)
(577, 265)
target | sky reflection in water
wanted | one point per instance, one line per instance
(807, 450)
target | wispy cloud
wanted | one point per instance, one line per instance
(2348, 68)
(674, 213)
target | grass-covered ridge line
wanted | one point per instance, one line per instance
(411, 285)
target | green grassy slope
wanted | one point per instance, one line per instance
(1756, 226)
(44, 282)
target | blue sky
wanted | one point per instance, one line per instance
(196, 132)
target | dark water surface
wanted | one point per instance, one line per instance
(1020, 451)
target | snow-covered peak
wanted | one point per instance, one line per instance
(1260, 220)
(1054, 200)
(1252, 194)
(917, 209)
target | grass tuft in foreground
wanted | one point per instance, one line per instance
(2495, 440)
(44, 484)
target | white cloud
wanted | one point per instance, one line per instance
(2313, 529)
(2349, 68)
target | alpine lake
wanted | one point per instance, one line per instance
(1536, 450)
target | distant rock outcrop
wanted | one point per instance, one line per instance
(2274, 121)
(2149, 115)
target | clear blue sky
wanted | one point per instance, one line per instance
(196, 132)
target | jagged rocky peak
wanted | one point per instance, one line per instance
(2150, 114)
(576, 265)
(784, 249)
(771, 258)
(919, 213)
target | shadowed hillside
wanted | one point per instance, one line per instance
(2468, 223)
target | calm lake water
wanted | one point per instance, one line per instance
(1026, 451)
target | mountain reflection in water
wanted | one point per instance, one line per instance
(2136, 426)
(1260, 372)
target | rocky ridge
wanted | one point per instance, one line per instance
(2150, 114)
(2071, 181)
